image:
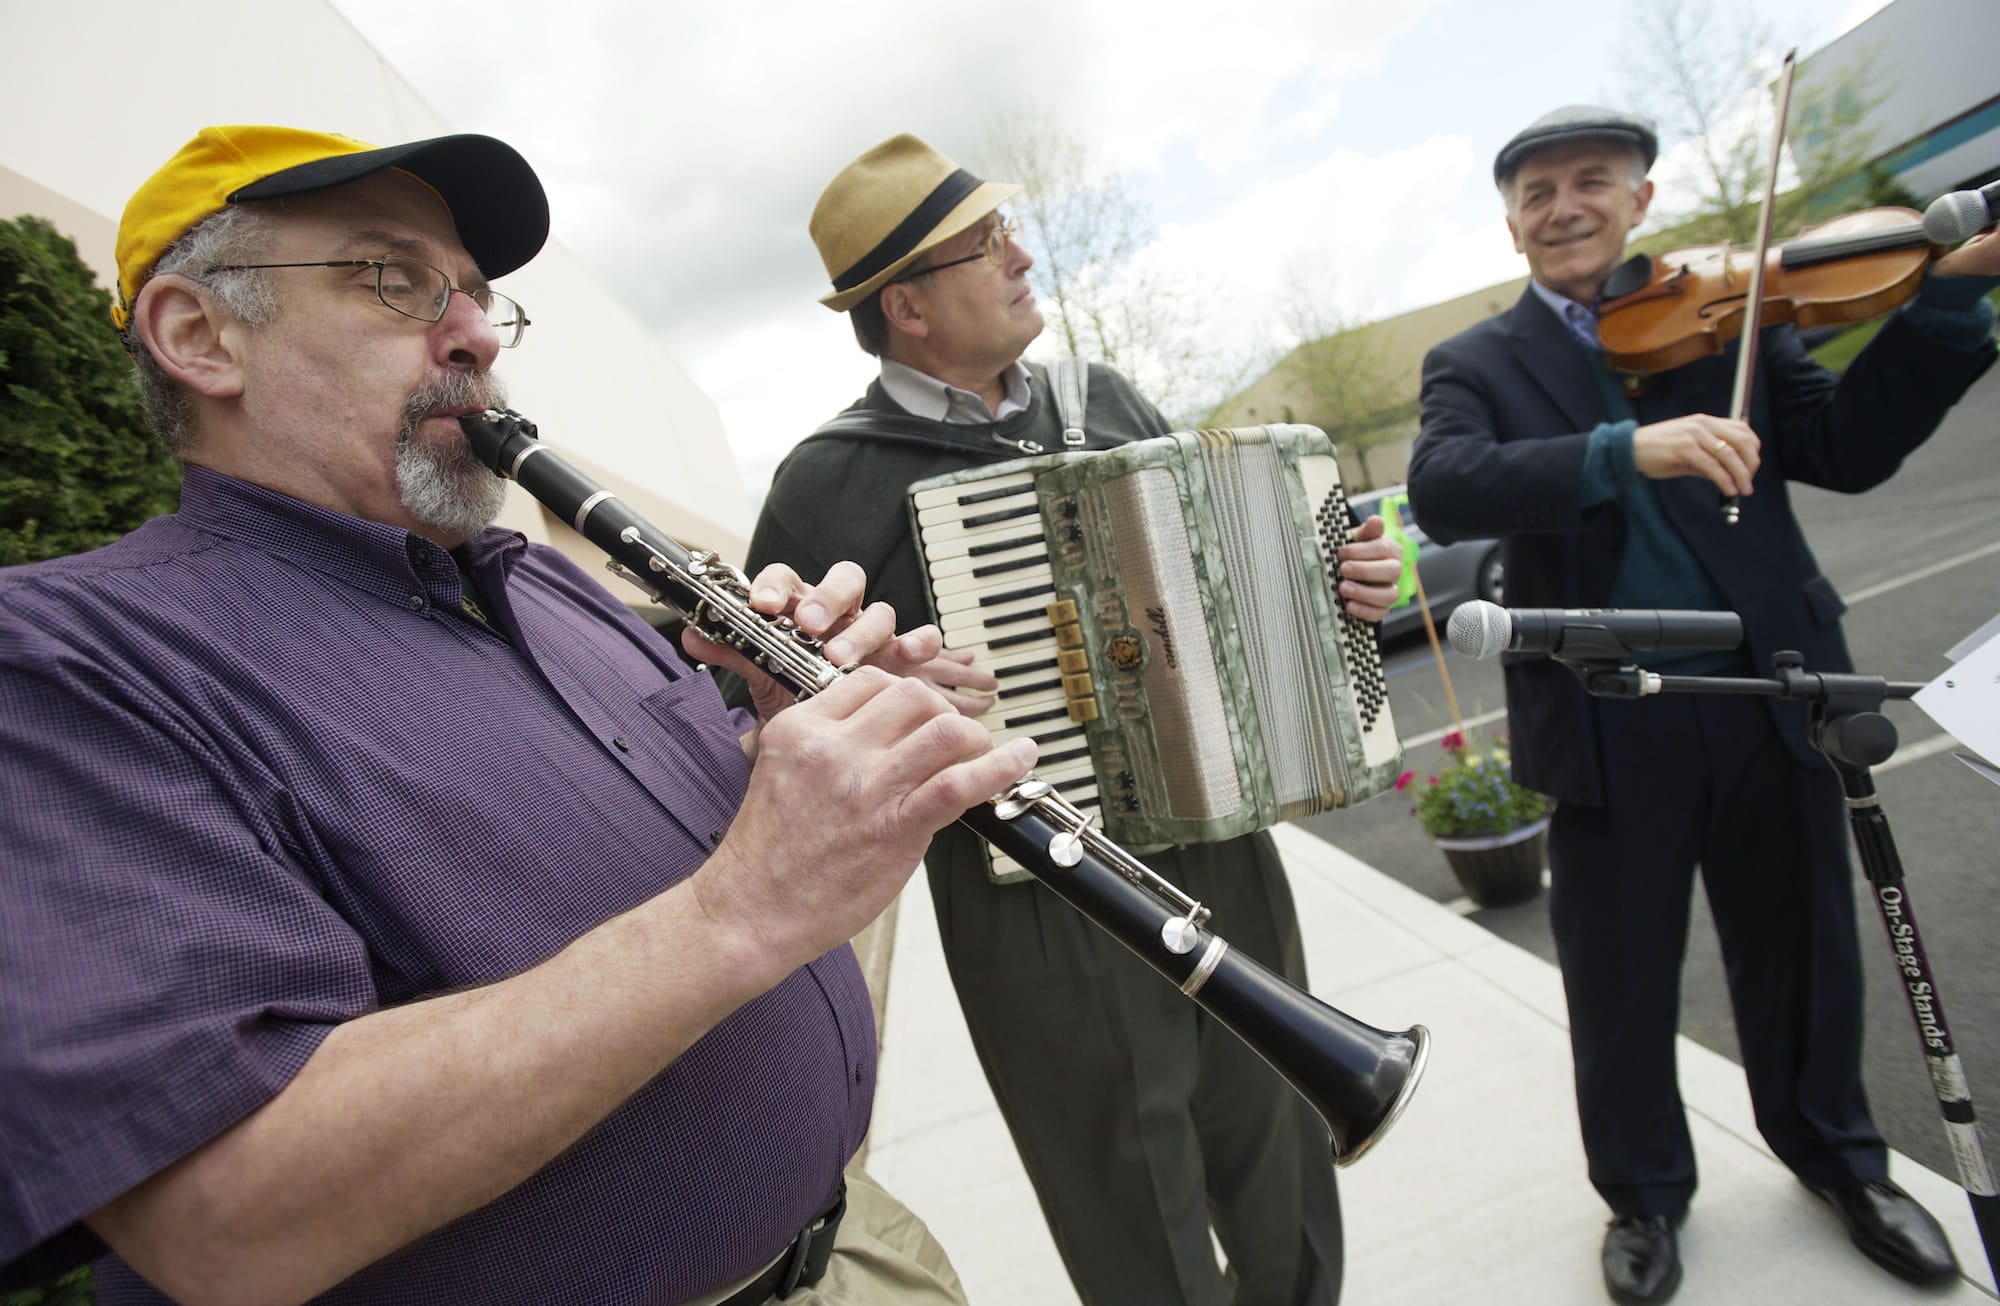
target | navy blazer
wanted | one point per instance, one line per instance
(1507, 410)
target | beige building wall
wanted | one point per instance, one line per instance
(97, 95)
(1282, 395)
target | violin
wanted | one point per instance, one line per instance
(1661, 313)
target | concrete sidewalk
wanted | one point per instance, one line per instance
(1477, 1195)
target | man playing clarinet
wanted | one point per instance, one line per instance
(391, 915)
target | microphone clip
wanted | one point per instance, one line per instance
(1611, 677)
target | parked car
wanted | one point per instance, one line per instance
(1451, 573)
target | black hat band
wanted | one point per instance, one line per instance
(910, 230)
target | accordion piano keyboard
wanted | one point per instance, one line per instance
(991, 583)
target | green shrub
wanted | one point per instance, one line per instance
(77, 466)
(72, 1289)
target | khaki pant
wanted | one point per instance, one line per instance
(882, 1253)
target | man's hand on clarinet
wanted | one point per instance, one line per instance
(831, 612)
(968, 687)
(847, 789)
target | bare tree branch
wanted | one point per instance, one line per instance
(1339, 377)
(1087, 227)
(1711, 67)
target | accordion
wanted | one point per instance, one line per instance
(1163, 621)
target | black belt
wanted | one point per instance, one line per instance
(802, 1263)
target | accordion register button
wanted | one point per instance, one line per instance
(1083, 709)
(1063, 613)
(1077, 686)
(1070, 636)
(1072, 660)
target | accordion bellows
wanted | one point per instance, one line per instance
(1163, 621)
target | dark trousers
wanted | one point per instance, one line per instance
(1706, 780)
(1139, 1119)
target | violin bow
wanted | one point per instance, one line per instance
(1746, 348)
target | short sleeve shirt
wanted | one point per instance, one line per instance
(260, 773)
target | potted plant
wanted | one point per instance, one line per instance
(1493, 832)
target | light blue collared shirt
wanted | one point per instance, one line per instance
(1581, 319)
(923, 395)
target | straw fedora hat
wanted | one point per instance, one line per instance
(887, 207)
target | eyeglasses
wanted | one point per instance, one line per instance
(420, 291)
(994, 251)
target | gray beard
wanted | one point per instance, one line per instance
(445, 487)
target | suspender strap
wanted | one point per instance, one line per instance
(900, 428)
(1069, 377)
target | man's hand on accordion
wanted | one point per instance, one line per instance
(1370, 565)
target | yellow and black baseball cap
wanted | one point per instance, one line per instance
(495, 199)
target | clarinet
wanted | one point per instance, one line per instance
(1357, 1077)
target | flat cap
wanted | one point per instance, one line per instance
(1575, 122)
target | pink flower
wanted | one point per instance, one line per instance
(1452, 742)
(1403, 780)
(1434, 779)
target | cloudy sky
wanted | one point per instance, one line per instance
(683, 143)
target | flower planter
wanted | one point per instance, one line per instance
(1498, 869)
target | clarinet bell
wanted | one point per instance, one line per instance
(1371, 1096)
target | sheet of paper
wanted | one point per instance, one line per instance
(1991, 773)
(1989, 631)
(1965, 700)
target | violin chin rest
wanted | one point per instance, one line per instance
(1635, 273)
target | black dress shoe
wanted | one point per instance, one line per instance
(1641, 1261)
(1893, 1231)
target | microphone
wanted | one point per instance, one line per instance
(1480, 629)
(1962, 214)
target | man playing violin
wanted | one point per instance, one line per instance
(391, 915)
(1607, 499)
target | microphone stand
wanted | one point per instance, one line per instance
(1847, 726)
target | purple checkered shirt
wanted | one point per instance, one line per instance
(259, 775)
